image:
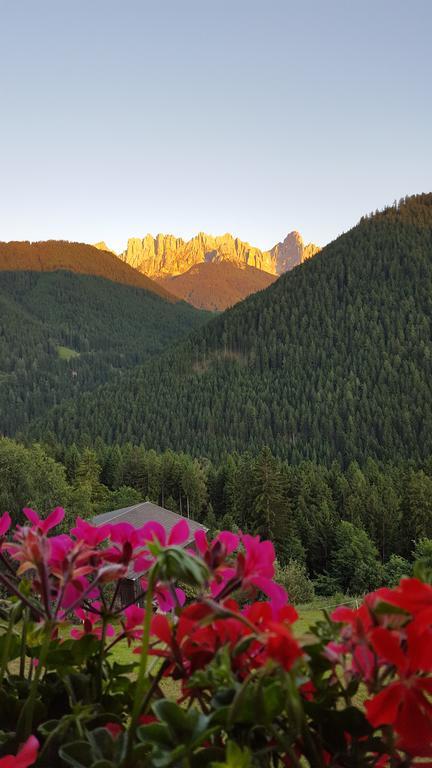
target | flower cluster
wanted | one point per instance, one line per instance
(246, 686)
(387, 644)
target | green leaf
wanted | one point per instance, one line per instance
(236, 757)
(77, 754)
(155, 733)
(388, 608)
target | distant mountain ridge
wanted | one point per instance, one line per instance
(168, 256)
(53, 255)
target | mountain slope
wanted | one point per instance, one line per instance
(166, 255)
(63, 333)
(52, 255)
(217, 285)
(333, 361)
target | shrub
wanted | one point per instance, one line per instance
(248, 692)
(423, 552)
(325, 585)
(355, 562)
(395, 569)
(294, 579)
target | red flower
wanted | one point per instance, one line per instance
(115, 729)
(26, 756)
(405, 703)
(411, 595)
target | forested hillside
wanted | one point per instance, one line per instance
(63, 333)
(217, 285)
(52, 255)
(333, 361)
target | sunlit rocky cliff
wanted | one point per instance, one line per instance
(166, 255)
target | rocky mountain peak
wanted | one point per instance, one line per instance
(167, 256)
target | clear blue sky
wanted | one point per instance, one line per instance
(120, 117)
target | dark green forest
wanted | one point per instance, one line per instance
(331, 363)
(344, 530)
(63, 333)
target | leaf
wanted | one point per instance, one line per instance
(104, 764)
(236, 757)
(388, 608)
(155, 733)
(77, 754)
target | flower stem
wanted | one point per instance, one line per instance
(142, 681)
(7, 644)
(25, 720)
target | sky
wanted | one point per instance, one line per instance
(255, 117)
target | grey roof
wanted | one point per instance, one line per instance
(142, 513)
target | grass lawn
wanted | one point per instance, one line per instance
(66, 353)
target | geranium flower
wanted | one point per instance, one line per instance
(215, 553)
(132, 622)
(25, 757)
(179, 533)
(166, 598)
(255, 570)
(91, 623)
(115, 729)
(5, 523)
(91, 534)
(411, 595)
(54, 518)
(405, 703)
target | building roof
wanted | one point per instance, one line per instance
(145, 511)
(142, 513)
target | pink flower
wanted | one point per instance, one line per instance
(154, 530)
(255, 570)
(166, 598)
(5, 523)
(91, 534)
(127, 542)
(229, 541)
(133, 622)
(26, 756)
(74, 591)
(91, 623)
(54, 518)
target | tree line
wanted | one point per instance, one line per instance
(347, 530)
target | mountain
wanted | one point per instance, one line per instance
(217, 285)
(63, 332)
(166, 255)
(332, 361)
(53, 255)
(291, 252)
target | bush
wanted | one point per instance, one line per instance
(355, 564)
(325, 585)
(294, 579)
(395, 569)
(423, 553)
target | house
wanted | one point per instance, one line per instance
(129, 587)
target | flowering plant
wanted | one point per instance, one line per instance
(244, 689)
